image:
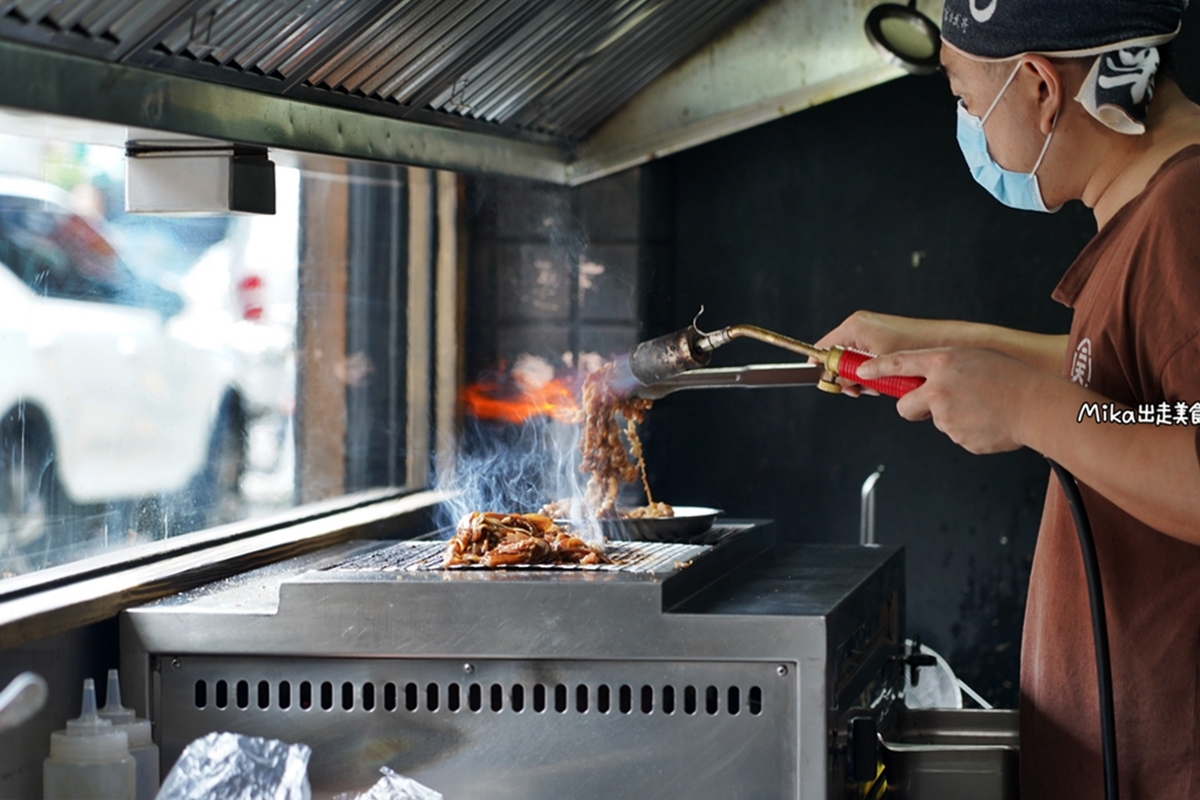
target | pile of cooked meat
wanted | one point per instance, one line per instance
(651, 510)
(491, 539)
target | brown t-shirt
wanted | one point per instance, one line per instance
(1135, 339)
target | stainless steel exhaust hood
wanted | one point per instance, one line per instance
(557, 90)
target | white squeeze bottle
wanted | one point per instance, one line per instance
(90, 759)
(141, 746)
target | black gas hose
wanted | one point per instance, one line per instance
(1091, 568)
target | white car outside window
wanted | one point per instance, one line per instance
(109, 389)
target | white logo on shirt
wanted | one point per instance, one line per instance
(985, 13)
(1081, 364)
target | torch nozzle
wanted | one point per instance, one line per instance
(660, 359)
(669, 356)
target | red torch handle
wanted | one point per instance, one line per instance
(893, 385)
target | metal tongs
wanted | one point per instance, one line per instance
(755, 376)
(660, 366)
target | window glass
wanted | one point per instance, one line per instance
(57, 253)
(162, 375)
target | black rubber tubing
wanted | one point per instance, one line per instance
(1091, 568)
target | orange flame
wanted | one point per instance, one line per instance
(490, 400)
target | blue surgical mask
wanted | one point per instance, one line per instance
(1013, 189)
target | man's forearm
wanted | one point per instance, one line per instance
(1150, 472)
(990, 402)
(1041, 351)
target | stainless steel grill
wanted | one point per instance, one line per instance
(718, 670)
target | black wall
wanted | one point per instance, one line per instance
(864, 203)
(554, 270)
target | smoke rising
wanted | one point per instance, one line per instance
(534, 348)
(512, 468)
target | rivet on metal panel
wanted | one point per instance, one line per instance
(468, 668)
(781, 670)
(176, 663)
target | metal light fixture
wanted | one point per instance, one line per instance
(905, 37)
(178, 175)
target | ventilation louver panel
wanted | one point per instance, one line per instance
(555, 67)
(108, 28)
(502, 728)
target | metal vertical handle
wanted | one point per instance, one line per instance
(21, 699)
(866, 512)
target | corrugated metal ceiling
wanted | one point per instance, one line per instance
(529, 68)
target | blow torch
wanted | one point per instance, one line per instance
(657, 364)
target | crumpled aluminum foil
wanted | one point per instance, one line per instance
(393, 786)
(229, 766)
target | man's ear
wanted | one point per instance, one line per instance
(1050, 90)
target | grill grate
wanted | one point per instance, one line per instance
(650, 558)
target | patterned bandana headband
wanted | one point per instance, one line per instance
(1123, 35)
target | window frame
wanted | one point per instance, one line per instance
(56, 599)
(50, 601)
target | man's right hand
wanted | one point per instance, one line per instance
(885, 333)
(877, 333)
(882, 334)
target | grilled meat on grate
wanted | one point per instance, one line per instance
(496, 540)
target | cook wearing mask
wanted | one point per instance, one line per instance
(1074, 100)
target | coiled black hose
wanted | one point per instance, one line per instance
(1091, 568)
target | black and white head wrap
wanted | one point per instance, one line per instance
(1123, 35)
